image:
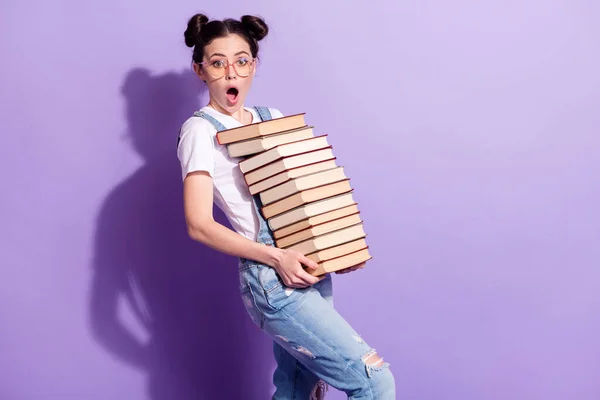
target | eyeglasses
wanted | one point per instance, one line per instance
(243, 67)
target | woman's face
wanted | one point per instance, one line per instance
(228, 69)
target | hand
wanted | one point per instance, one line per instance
(289, 267)
(351, 269)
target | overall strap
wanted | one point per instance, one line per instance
(218, 126)
(263, 113)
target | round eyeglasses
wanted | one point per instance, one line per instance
(243, 67)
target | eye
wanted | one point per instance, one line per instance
(242, 61)
(218, 64)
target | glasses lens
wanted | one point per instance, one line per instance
(243, 67)
(216, 69)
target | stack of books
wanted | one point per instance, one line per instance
(305, 196)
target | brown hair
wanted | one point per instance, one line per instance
(200, 32)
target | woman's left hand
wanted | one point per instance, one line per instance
(351, 269)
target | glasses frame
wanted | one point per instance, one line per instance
(251, 61)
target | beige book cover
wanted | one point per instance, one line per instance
(309, 210)
(306, 196)
(343, 262)
(252, 146)
(290, 174)
(318, 230)
(316, 220)
(286, 163)
(283, 150)
(301, 183)
(261, 128)
(338, 251)
(330, 239)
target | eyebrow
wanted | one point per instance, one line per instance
(223, 55)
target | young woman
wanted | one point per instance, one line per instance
(313, 345)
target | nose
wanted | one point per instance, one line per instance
(230, 72)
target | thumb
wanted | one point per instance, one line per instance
(308, 262)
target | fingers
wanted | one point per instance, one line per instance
(351, 269)
(295, 275)
(359, 266)
(343, 271)
(310, 279)
(301, 279)
(307, 261)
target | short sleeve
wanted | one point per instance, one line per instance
(196, 147)
(275, 113)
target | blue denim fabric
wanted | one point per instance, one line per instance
(312, 343)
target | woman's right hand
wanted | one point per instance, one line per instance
(289, 267)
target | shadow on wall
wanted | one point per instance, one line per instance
(202, 344)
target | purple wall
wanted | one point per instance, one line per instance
(470, 132)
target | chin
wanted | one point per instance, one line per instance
(231, 108)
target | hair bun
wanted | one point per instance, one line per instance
(192, 33)
(256, 26)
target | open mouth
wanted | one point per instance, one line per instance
(232, 94)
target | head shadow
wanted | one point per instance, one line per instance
(158, 300)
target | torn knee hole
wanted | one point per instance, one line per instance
(372, 359)
(373, 362)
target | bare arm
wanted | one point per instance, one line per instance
(198, 206)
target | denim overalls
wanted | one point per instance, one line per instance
(313, 343)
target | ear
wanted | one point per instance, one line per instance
(199, 71)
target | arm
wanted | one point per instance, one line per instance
(198, 206)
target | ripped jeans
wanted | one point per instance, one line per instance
(313, 343)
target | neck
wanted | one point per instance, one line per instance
(238, 114)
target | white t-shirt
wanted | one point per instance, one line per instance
(198, 150)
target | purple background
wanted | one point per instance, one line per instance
(470, 131)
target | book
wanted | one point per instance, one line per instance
(319, 229)
(330, 239)
(306, 196)
(300, 183)
(316, 220)
(287, 163)
(257, 145)
(310, 210)
(283, 150)
(291, 173)
(338, 251)
(342, 262)
(261, 128)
